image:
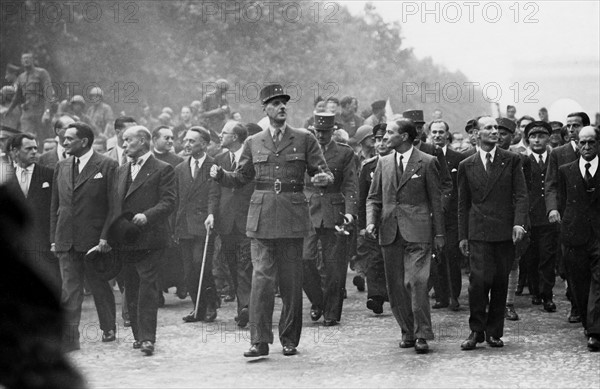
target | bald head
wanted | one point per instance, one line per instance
(589, 142)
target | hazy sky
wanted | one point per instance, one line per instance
(545, 42)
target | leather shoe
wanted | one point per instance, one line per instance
(315, 313)
(257, 350)
(593, 344)
(211, 314)
(549, 306)
(407, 344)
(137, 344)
(191, 318)
(359, 282)
(109, 336)
(472, 340)
(510, 313)
(243, 318)
(574, 316)
(375, 305)
(439, 305)
(329, 323)
(454, 305)
(181, 293)
(229, 298)
(536, 300)
(147, 347)
(289, 350)
(421, 346)
(495, 342)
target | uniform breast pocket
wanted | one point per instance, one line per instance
(295, 157)
(254, 211)
(261, 158)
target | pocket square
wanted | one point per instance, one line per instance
(98, 175)
(454, 170)
(45, 185)
(415, 176)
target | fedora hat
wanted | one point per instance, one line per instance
(122, 231)
(104, 265)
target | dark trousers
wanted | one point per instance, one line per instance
(369, 251)
(192, 251)
(140, 274)
(407, 267)
(73, 269)
(583, 274)
(326, 292)
(541, 260)
(490, 265)
(276, 259)
(448, 282)
(235, 251)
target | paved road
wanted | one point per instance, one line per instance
(541, 350)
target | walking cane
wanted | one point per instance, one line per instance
(201, 272)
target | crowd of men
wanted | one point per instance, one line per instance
(215, 206)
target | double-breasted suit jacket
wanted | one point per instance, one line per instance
(273, 215)
(152, 193)
(488, 208)
(79, 214)
(327, 205)
(406, 206)
(196, 198)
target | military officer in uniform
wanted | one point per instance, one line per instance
(331, 206)
(277, 159)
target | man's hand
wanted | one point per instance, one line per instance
(322, 178)
(370, 231)
(209, 223)
(518, 233)
(464, 247)
(103, 246)
(554, 216)
(139, 220)
(439, 242)
(216, 172)
(348, 218)
(53, 248)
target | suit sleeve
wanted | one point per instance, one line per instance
(434, 193)
(166, 204)
(111, 188)
(363, 192)
(561, 191)
(214, 193)
(374, 199)
(245, 171)
(54, 205)
(314, 157)
(520, 196)
(551, 188)
(464, 202)
(349, 185)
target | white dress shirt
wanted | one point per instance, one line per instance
(405, 157)
(83, 160)
(482, 155)
(593, 167)
(193, 162)
(136, 167)
(24, 177)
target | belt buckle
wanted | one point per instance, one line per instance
(277, 186)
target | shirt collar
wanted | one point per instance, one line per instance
(405, 155)
(238, 154)
(593, 163)
(537, 156)
(444, 149)
(200, 161)
(59, 150)
(483, 153)
(159, 152)
(83, 160)
(142, 160)
(29, 168)
(272, 129)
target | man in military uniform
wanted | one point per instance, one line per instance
(368, 249)
(278, 219)
(331, 206)
(215, 108)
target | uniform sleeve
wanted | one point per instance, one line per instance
(374, 199)
(349, 185)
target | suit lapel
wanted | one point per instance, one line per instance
(90, 169)
(478, 170)
(36, 183)
(146, 171)
(498, 166)
(13, 184)
(412, 167)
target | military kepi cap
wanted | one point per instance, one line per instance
(271, 91)
(324, 121)
(507, 124)
(416, 115)
(537, 127)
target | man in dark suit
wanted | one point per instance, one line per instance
(542, 250)
(52, 157)
(32, 184)
(492, 213)
(562, 155)
(329, 207)
(231, 221)
(115, 144)
(368, 249)
(405, 205)
(579, 203)
(278, 219)
(448, 282)
(79, 216)
(197, 203)
(144, 187)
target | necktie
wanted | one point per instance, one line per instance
(400, 169)
(276, 136)
(195, 169)
(23, 182)
(588, 176)
(541, 163)
(135, 168)
(488, 163)
(123, 158)
(233, 164)
(75, 169)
